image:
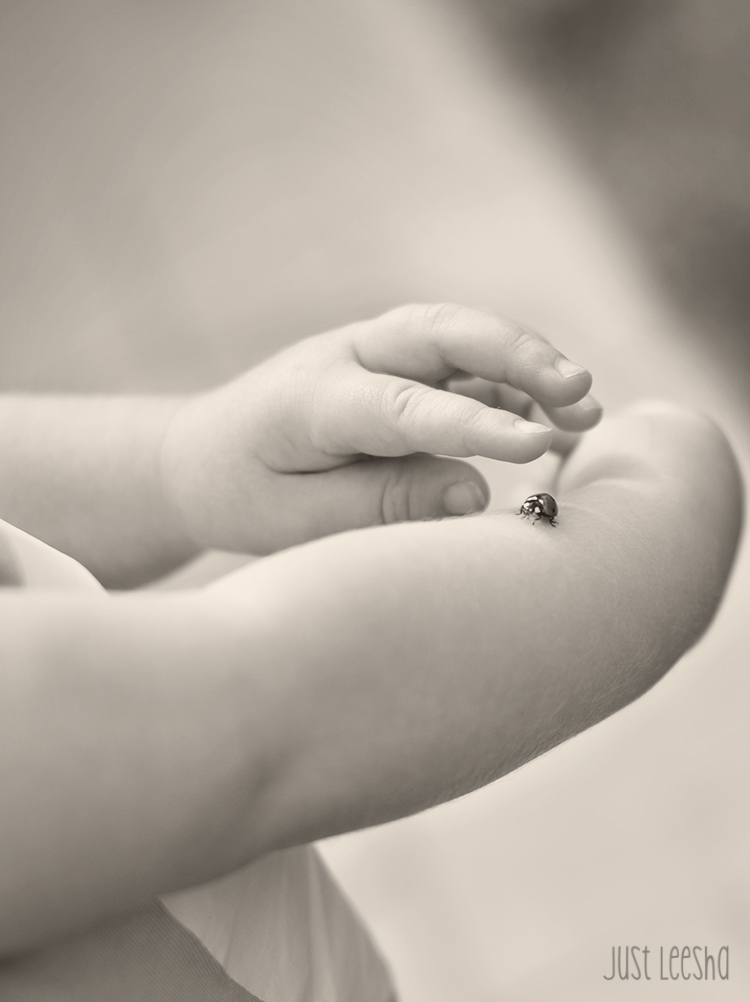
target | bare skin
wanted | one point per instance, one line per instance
(348, 681)
(275, 457)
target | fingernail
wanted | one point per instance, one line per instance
(567, 368)
(463, 498)
(530, 427)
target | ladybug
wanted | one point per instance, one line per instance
(540, 506)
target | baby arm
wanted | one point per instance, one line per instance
(333, 433)
(473, 645)
(348, 681)
(83, 473)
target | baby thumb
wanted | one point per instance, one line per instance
(383, 491)
(423, 486)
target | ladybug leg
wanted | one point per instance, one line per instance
(553, 522)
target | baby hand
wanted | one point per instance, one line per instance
(344, 429)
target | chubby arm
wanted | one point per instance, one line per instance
(152, 741)
(83, 473)
(134, 486)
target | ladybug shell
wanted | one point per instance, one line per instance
(546, 502)
(541, 505)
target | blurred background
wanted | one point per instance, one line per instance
(187, 187)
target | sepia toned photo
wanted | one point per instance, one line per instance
(374, 426)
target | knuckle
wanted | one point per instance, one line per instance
(520, 341)
(407, 315)
(438, 317)
(427, 319)
(402, 403)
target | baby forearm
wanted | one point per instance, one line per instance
(151, 742)
(428, 659)
(132, 739)
(82, 473)
(345, 682)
